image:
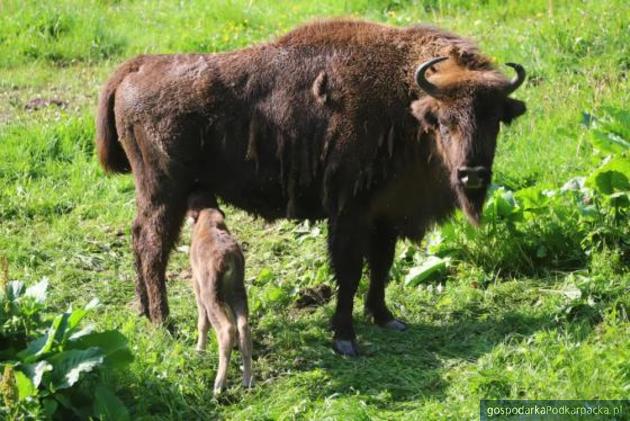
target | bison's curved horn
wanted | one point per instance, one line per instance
(518, 79)
(422, 81)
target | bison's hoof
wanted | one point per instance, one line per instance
(248, 382)
(347, 348)
(394, 324)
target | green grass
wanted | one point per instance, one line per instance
(481, 334)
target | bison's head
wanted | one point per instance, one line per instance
(461, 113)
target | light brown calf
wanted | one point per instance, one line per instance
(218, 268)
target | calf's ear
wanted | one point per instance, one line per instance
(193, 215)
(512, 109)
(425, 110)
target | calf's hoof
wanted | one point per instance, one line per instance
(346, 347)
(219, 386)
(394, 324)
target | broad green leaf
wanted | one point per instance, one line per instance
(620, 199)
(74, 319)
(609, 143)
(264, 275)
(502, 205)
(50, 407)
(24, 385)
(36, 371)
(15, 289)
(34, 349)
(38, 290)
(532, 199)
(66, 403)
(614, 176)
(617, 121)
(86, 330)
(107, 406)
(273, 293)
(54, 335)
(112, 343)
(431, 266)
(69, 365)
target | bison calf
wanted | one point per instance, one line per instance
(218, 268)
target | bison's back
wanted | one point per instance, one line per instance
(249, 127)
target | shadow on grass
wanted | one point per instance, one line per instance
(396, 367)
(294, 363)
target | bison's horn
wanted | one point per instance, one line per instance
(422, 81)
(518, 79)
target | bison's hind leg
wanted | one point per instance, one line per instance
(162, 188)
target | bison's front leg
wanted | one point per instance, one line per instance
(345, 245)
(380, 258)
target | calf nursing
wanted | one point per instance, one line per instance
(382, 131)
(218, 268)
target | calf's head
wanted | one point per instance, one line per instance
(201, 203)
(461, 114)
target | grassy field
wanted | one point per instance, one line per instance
(493, 327)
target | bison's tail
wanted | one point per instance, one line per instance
(110, 152)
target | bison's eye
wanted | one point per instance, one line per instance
(444, 131)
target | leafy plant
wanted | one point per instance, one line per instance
(20, 313)
(542, 226)
(60, 372)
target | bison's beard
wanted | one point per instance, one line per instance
(471, 203)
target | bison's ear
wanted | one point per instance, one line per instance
(320, 88)
(425, 110)
(511, 109)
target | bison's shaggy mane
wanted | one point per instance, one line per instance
(319, 153)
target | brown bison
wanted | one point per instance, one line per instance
(383, 131)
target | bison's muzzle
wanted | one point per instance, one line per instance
(473, 178)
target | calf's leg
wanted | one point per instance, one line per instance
(203, 324)
(244, 341)
(226, 336)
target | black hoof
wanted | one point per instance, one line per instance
(170, 326)
(345, 347)
(394, 324)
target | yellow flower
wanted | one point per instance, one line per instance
(8, 389)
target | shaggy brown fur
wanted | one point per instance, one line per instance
(218, 269)
(325, 122)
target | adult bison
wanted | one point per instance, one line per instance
(383, 131)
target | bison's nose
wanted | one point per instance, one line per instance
(473, 177)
